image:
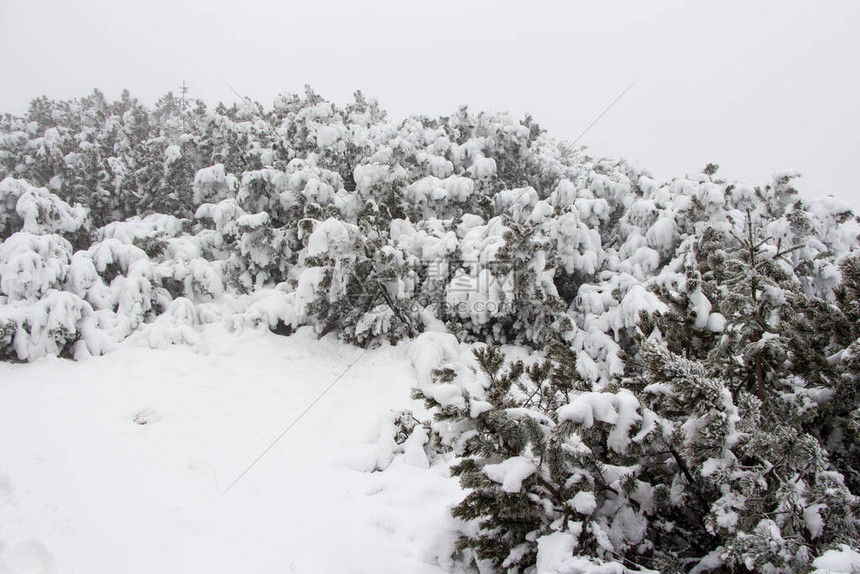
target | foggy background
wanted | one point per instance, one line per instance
(757, 87)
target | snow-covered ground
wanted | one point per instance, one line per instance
(120, 463)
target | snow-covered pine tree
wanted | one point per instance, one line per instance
(772, 358)
(544, 455)
(363, 287)
(686, 465)
(508, 295)
(825, 352)
(783, 343)
(764, 492)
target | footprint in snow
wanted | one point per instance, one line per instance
(146, 417)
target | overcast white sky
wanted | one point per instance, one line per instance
(757, 87)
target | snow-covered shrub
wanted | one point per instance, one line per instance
(758, 482)
(31, 265)
(10, 190)
(176, 326)
(263, 255)
(364, 288)
(212, 184)
(37, 210)
(672, 471)
(195, 278)
(690, 397)
(126, 284)
(509, 294)
(58, 324)
(682, 462)
(256, 253)
(140, 230)
(434, 197)
(531, 476)
(261, 191)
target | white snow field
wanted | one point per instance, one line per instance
(119, 463)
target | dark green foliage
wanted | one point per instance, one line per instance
(723, 428)
(357, 296)
(121, 159)
(742, 434)
(530, 311)
(510, 522)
